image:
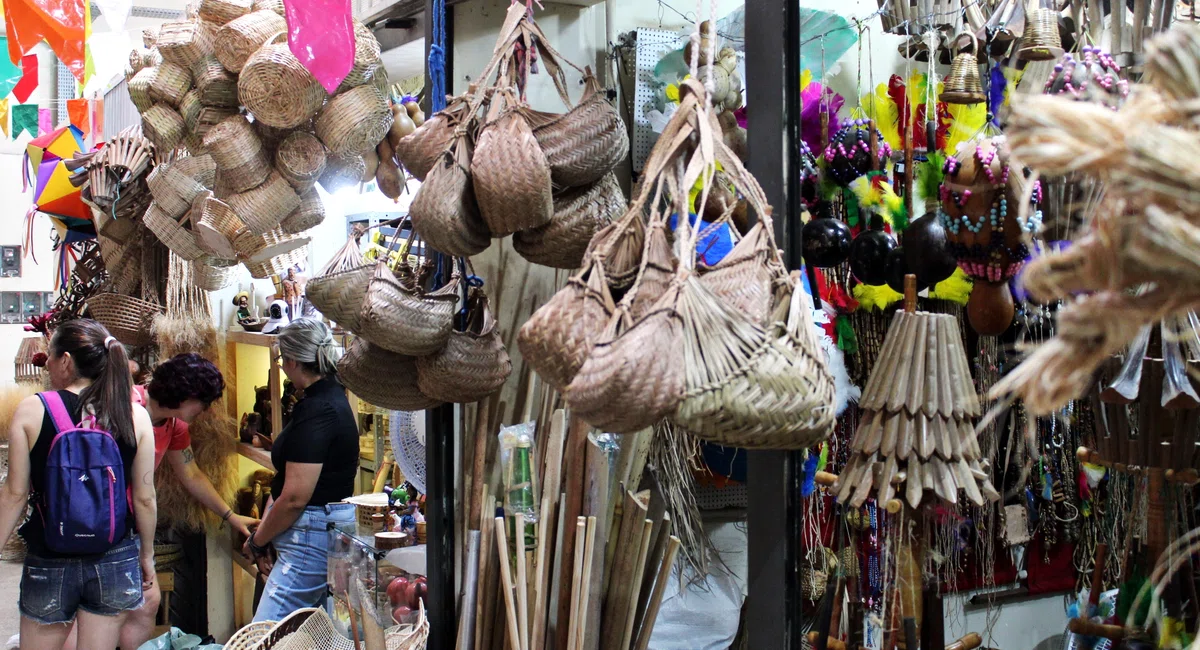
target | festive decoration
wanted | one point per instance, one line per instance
(321, 35)
(45, 121)
(29, 78)
(875, 194)
(956, 288)
(77, 113)
(54, 194)
(848, 154)
(11, 72)
(819, 107)
(4, 117)
(64, 24)
(876, 297)
(24, 119)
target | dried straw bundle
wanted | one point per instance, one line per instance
(11, 395)
(675, 459)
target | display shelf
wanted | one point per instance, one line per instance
(260, 456)
(252, 338)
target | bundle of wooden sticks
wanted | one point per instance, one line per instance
(591, 570)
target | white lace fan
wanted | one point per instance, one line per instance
(408, 445)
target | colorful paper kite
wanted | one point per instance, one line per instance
(54, 195)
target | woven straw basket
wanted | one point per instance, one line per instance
(209, 118)
(174, 191)
(263, 207)
(472, 365)
(184, 43)
(217, 226)
(366, 58)
(444, 210)
(189, 109)
(420, 150)
(579, 213)
(249, 637)
(300, 159)
(270, 5)
(219, 12)
(279, 90)
(170, 83)
(355, 120)
(255, 248)
(310, 214)
(202, 168)
(209, 276)
(163, 126)
(127, 318)
(586, 142)
(279, 264)
(139, 88)
(241, 37)
(383, 378)
(217, 86)
(339, 296)
(558, 337)
(172, 234)
(342, 170)
(511, 176)
(404, 319)
(742, 279)
(239, 154)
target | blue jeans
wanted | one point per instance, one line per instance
(300, 576)
(53, 589)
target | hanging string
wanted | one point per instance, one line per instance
(437, 58)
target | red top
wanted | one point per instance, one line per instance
(171, 435)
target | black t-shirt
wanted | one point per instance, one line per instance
(34, 530)
(322, 430)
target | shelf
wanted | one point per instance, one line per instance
(244, 563)
(251, 338)
(260, 456)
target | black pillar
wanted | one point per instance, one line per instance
(439, 443)
(773, 98)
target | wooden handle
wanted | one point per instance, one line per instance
(826, 479)
(1088, 628)
(1098, 575)
(910, 293)
(968, 642)
(830, 642)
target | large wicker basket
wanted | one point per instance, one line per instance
(339, 295)
(586, 142)
(200, 168)
(184, 43)
(139, 88)
(385, 379)
(171, 233)
(277, 88)
(169, 83)
(163, 126)
(217, 226)
(310, 214)
(403, 318)
(189, 109)
(366, 58)
(472, 365)
(127, 318)
(355, 120)
(300, 159)
(217, 86)
(265, 206)
(213, 274)
(173, 190)
(219, 12)
(241, 37)
(579, 213)
(239, 154)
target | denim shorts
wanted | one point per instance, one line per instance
(53, 589)
(301, 574)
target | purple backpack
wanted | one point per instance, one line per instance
(84, 504)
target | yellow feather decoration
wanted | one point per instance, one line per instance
(805, 78)
(956, 288)
(875, 297)
(967, 121)
(1013, 76)
(880, 107)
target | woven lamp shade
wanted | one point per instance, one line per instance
(962, 85)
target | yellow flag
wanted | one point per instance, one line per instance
(4, 116)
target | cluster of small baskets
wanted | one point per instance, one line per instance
(492, 166)
(254, 132)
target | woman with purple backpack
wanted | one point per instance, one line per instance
(72, 452)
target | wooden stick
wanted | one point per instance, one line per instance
(552, 620)
(596, 503)
(660, 587)
(538, 633)
(488, 581)
(589, 553)
(634, 586)
(466, 624)
(575, 455)
(507, 582)
(549, 524)
(479, 461)
(522, 582)
(616, 607)
(577, 583)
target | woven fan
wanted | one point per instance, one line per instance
(408, 445)
(917, 409)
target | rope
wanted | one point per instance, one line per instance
(437, 58)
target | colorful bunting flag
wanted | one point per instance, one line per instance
(98, 120)
(64, 24)
(24, 118)
(29, 78)
(45, 121)
(4, 116)
(10, 73)
(323, 40)
(77, 113)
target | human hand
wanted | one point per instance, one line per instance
(264, 563)
(149, 573)
(242, 523)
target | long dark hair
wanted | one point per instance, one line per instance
(100, 357)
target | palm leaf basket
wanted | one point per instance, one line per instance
(472, 365)
(444, 211)
(400, 316)
(127, 318)
(383, 378)
(579, 213)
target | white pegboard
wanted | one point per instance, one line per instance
(652, 45)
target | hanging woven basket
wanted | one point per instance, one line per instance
(173, 190)
(270, 5)
(366, 58)
(217, 86)
(213, 274)
(163, 126)
(277, 88)
(200, 168)
(420, 150)
(217, 226)
(339, 295)
(239, 154)
(310, 214)
(510, 174)
(579, 213)
(241, 37)
(586, 142)
(300, 159)
(444, 210)
(184, 43)
(219, 12)
(127, 318)
(401, 317)
(172, 234)
(355, 120)
(263, 207)
(472, 365)
(169, 83)
(139, 88)
(342, 170)
(385, 379)
(189, 109)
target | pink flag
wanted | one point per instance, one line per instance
(321, 35)
(45, 121)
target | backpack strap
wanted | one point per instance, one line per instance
(58, 411)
